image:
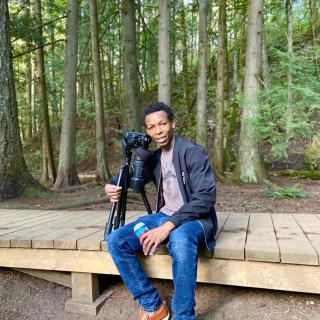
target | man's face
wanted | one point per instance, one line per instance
(160, 129)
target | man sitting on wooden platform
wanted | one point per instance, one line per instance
(185, 217)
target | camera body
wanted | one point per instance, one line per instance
(134, 140)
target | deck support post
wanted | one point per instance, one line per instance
(85, 294)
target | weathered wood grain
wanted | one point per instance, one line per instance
(310, 225)
(294, 245)
(261, 243)
(231, 240)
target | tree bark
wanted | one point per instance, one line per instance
(130, 67)
(67, 171)
(46, 132)
(289, 74)
(250, 167)
(14, 176)
(102, 167)
(265, 62)
(184, 55)
(217, 152)
(314, 21)
(202, 137)
(29, 80)
(164, 53)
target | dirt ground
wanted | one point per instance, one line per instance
(24, 297)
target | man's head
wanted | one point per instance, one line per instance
(159, 122)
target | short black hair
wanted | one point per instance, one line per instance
(155, 107)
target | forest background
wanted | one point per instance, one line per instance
(242, 77)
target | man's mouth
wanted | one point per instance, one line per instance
(161, 140)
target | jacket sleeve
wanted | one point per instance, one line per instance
(203, 188)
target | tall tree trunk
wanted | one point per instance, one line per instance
(55, 108)
(33, 99)
(250, 167)
(202, 137)
(130, 67)
(173, 40)
(315, 26)
(265, 62)
(229, 158)
(67, 171)
(217, 152)
(289, 74)
(29, 80)
(102, 167)
(164, 53)
(46, 132)
(14, 176)
(28, 98)
(314, 21)
(184, 55)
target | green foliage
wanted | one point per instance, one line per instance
(83, 149)
(303, 174)
(34, 192)
(285, 192)
(273, 119)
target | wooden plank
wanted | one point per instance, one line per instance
(91, 242)
(91, 221)
(222, 218)
(7, 213)
(17, 215)
(231, 240)
(8, 234)
(276, 276)
(24, 217)
(261, 243)
(36, 220)
(90, 239)
(293, 243)
(23, 237)
(310, 225)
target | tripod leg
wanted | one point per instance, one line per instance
(145, 200)
(120, 218)
(124, 199)
(109, 225)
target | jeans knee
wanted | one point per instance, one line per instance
(182, 250)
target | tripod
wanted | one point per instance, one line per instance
(126, 181)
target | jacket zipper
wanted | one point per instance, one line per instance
(183, 178)
(158, 191)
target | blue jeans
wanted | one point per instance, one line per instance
(182, 245)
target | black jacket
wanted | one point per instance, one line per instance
(196, 183)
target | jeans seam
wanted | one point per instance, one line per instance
(204, 234)
(128, 260)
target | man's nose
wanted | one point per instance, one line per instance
(158, 129)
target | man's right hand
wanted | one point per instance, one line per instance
(113, 192)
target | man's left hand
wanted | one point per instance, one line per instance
(151, 239)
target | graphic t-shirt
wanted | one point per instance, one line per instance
(170, 188)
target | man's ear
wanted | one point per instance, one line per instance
(173, 123)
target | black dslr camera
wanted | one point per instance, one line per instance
(136, 140)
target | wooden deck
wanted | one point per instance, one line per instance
(274, 251)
